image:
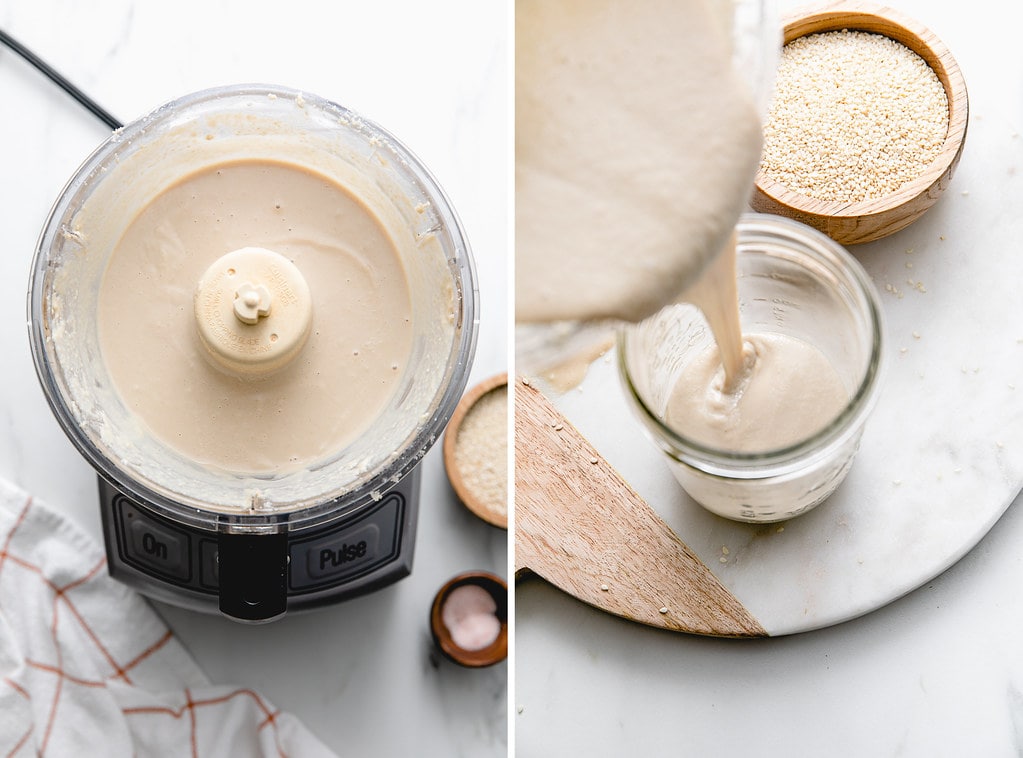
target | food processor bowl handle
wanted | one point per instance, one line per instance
(253, 572)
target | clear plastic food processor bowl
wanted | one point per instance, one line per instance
(134, 165)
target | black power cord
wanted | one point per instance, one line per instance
(59, 80)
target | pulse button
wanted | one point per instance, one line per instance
(349, 551)
(344, 554)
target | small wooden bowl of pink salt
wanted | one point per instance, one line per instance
(469, 619)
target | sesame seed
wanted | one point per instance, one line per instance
(604, 588)
(663, 609)
(854, 116)
(481, 450)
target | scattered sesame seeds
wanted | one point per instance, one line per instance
(722, 559)
(854, 116)
(891, 288)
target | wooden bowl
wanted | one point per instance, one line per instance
(853, 223)
(496, 651)
(494, 516)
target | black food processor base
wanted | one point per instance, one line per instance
(257, 577)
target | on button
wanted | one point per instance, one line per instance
(150, 543)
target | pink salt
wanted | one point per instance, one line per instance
(469, 613)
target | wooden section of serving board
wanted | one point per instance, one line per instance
(582, 528)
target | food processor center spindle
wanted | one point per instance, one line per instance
(253, 311)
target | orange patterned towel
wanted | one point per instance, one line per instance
(88, 668)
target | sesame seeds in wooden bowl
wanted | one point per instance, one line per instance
(476, 450)
(867, 124)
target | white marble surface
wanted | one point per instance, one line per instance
(434, 74)
(939, 671)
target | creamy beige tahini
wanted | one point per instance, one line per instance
(787, 392)
(285, 415)
(753, 392)
(636, 145)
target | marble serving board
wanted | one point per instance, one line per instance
(942, 455)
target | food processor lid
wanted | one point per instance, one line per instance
(287, 122)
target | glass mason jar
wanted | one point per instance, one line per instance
(792, 281)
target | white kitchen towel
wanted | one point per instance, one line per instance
(87, 667)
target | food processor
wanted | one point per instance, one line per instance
(253, 545)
